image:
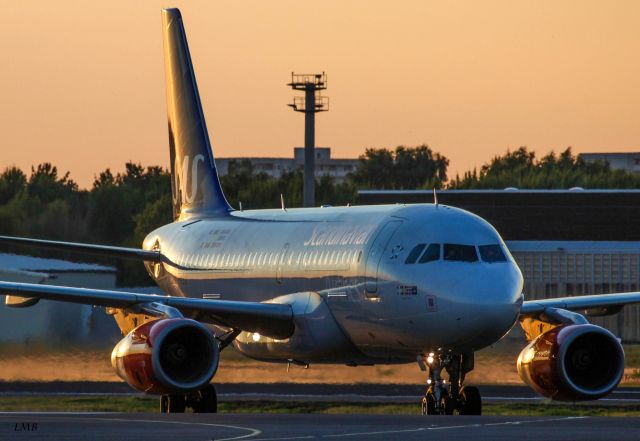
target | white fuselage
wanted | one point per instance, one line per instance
(355, 297)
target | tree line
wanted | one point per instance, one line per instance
(521, 169)
(121, 209)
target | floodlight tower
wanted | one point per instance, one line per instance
(311, 103)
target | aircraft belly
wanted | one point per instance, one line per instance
(250, 288)
(397, 326)
(317, 336)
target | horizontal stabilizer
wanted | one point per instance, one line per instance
(101, 250)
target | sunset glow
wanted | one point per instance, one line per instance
(83, 82)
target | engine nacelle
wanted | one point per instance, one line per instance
(572, 363)
(175, 355)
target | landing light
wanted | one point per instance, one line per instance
(430, 358)
(256, 336)
(529, 355)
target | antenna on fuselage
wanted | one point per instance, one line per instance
(435, 197)
(282, 202)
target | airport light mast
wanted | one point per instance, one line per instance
(311, 103)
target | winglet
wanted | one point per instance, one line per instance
(194, 179)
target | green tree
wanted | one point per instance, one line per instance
(154, 215)
(521, 169)
(375, 169)
(117, 200)
(419, 167)
(403, 168)
(12, 181)
(45, 184)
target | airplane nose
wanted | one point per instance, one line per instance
(493, 304)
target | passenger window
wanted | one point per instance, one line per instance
(432, 253)
(492, 253)
(415, 253)
(460, 253)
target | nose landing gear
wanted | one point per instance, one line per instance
(442, 398)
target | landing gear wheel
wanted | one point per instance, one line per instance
(206, 400)
(176, 403)
(470, 401)
(447, 405)
(428, 406)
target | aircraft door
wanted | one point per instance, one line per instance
(375, 255)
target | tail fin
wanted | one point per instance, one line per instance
(194, 178)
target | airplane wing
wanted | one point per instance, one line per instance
(602, 304)
(103, 250)
(269, 319)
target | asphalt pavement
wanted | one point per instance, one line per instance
(263, 427)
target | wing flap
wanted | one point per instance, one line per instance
(273, 320)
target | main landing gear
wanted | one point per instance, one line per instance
(203, 401)
(442, 398)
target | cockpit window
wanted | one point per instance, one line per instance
(460, 253)
(432, 253)
(415, 253)
(492, 253)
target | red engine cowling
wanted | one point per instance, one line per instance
(164, 356)
(573, 362)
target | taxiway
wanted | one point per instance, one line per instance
(264, 427)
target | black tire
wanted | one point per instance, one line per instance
(206, 400)
(471, 402)
(428, 405)
(176, 403)
(447, 405)
(164, 404)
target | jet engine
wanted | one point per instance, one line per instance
(572, 363)
(164, 356)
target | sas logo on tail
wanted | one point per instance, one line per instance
(181, 178)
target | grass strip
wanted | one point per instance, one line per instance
(150, 404)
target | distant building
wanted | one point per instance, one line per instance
(617, 161)
(575, 268)
(56, 323)
(337, 168)
(576, 214)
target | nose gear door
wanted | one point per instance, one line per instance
(375, 255)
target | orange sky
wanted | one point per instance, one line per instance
(83, 82)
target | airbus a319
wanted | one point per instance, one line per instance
(357, 285)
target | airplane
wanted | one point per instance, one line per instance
(357, 285)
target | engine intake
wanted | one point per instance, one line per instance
(573, 362)
(167, 356)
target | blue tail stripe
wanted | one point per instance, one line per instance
(195, 184)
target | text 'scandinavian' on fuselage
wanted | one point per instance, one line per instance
(366, 285)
